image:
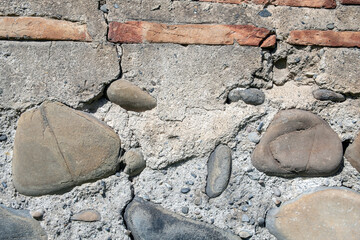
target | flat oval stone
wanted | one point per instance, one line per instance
(298, 143)
(150, 222)
(323, 214)
(328, 95)
(130, 97)
(57, 148)
(252, 96)
(87, 216)
(219, 170)
(352, 153)
(18, 224)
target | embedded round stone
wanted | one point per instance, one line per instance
(57, 148)
(298, 143)
(130, 97)
(147, 221)
(323, 214)
(352, 153)
(328, 95)
(219, 170)
(134, 162)
(89, 215)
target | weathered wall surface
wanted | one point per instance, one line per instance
(219, 72)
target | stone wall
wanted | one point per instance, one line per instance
(179, 119)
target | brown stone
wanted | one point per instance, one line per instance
(57, 148)
(298, 143)
(38, 28)
(292, 3)
(87, 216)
(269, 42)
(325, 38)
(130, 97)
(138, 32)
(350, 2)
(323, 214)
(352, 153)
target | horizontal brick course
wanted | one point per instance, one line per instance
(139, 32)
(350, 2)
(325, 38)
(37, 28)
(292, 3)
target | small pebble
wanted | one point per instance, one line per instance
(244, 208)
(185, 190)
(261, 221)
(3, 138)
(264, 13)
(261, 124)
(277, 192)
(245, 218)
(4, 184)
(104, 8)
(87, 216)
(116, 6)
(276, 201)
(37, 214)
(185, 210)
(254, 137)
(212, 221)
(146, 197)
(117, 174)
(194, 175)
(245, 234)
(189, 182)
(168, 186)
(330, 26)
(127, 232)
(197, 201)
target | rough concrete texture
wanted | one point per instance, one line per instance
(191, 86)
(69, 72)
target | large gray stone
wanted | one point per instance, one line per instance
(322, 214)
(219, 170)
(328, 95)
(18, 224)
(83, 11)
(70, 72)
(150, 222)
(298, 143)
(57, 148)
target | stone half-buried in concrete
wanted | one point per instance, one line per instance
(321, 214)
(18, 224)
(352, 153)
(57, 148)
(130, 97)
(150, 222)
(298, 143)
(219, 170)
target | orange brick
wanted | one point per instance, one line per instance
(325, 38)
(38, 28)
(350, 2)
(138, 32)
(269, 42)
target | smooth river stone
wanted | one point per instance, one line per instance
(298, 143)
(323, 214)
(219, 170)
(352, 153)
(148, 221)
(57, 148)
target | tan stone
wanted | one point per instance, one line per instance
(138, 32)
(292, 3)
(87, 216)
(352, 153)
(326, 214)
(57, 148)
(38, 28)
(325, 38)
(298, 143)
(130, 97)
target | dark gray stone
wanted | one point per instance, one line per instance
(3, 138)
(234, 95)
(252, 96)
(298, 143)
(185, 190)
(264, 13)
(328, 95)
(148, 221)
(219, 170)
(330, 26)
(18, 224)
(185, 210)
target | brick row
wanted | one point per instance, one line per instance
(140, 32)
(38, 28)
(292, 3)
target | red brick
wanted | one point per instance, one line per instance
(138, 32)
(269, 42)
(37, 28)
(292, 3)
(325, 38)
(350, 2)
